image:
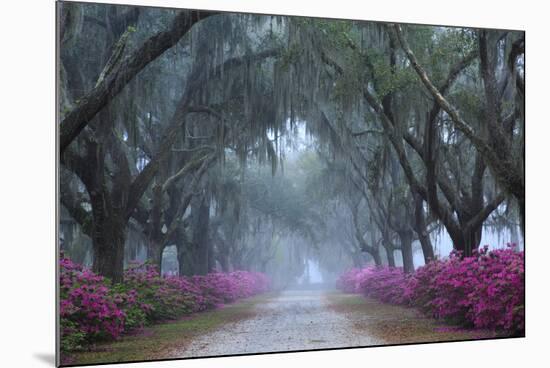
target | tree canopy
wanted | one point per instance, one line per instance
(257, 142)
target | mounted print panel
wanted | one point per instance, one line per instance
(236, 183)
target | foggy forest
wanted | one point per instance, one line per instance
(226, 172)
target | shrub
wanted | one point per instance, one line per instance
(88, 310)
(389, 285)
(219, 288)
(173, 296)
(485, 290)
(135, 310)
(159, 298)
(91, 309)
(72, 338)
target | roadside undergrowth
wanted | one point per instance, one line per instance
(395, 324)
(160, 341)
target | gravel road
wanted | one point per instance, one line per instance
(291, 320)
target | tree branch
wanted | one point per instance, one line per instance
(74, 207)
(460, 124)
(142, 181)
(183, 171)
(481, 216)
(114, 59)
(206, 162)
(89, 105)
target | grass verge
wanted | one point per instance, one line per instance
(399, 325)
(159, 341)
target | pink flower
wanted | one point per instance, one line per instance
(482, 291)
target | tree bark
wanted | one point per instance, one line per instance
(200, 211)
(100, 96)
(496, 152)
(472, 241)
(224, 261)
(125, 195)
(421, 229)
(376, 256)
(390, 256)
(373, 249)
(155, 250)
(406, 238)
(183, 247)
(108, 239)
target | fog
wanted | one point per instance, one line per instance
(299, 148)
(299, 227)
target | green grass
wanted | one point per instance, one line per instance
(159, 341)
(399, 325)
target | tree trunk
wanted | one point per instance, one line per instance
(108, 243)
(183, 248)
(224, 248)
(93, 102)
(187, 259)
(154, 254)
(427, 248)
(406, 238)
(390, 256)
(521, 204)
(376, 256)
(200, 234)
(182, 264)
(211, 256)
(421, 230)
(224, 262)
(472, 239)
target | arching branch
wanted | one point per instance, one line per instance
(89, 105)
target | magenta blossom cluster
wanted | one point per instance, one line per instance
(172, 296)
(221, 288)
(485, 290)
(87, 309)
(92, 309)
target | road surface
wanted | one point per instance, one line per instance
(291, 320)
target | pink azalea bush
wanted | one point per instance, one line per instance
(485, 290)
(220, 288)
(88, 310)
(389, 285)
(161, 298)
(350, 281)
(91, 309)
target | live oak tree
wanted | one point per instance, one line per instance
(117, 71)
(175, 127)
(465, 231)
